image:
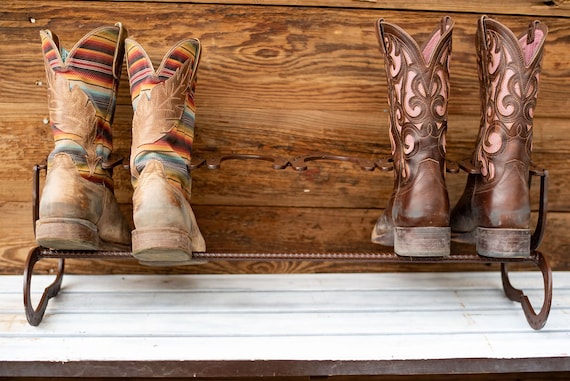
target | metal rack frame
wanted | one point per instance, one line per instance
(536, 320)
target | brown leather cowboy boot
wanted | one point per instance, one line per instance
(416, 221)
(78, 209)
(166, 232)
(494, 210)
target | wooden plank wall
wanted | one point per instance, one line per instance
(282, 78)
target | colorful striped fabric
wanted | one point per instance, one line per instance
(93, 65)
(164, 109)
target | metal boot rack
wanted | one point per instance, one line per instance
(299, 163)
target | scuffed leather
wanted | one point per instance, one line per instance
(67, 195)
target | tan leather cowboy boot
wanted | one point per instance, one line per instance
(78, 209)
(166, 231)
(494, 210)
(416, 220)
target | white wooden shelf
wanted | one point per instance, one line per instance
(286, 324)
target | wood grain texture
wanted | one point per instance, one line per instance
(559, 8)
(510, 376)
(283, 80)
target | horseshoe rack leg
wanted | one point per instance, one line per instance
(35, 315)
(536, 321)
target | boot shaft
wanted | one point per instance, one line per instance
(164, 109)
(509, 71)
(418, 92)
(82, 93)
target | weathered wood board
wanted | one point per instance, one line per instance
(277, 79)
(318, 324)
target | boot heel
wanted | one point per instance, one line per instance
(67, 234)
(422, 241)
(164, 245)
(503, 243)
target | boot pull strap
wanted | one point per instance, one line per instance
(55, 39)
(445, 24)
(196, 63)
(483, 27)
(120, 51)
(531, 28)
(380, 26)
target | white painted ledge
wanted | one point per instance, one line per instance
(320, 320)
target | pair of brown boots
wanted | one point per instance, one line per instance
(494, 211)
(78, 209)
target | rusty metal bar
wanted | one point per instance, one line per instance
(360, 256)
(538, 233)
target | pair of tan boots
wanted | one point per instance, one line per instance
(78, 209)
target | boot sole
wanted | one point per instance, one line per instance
(67, 234)
(422, 241)
(162, 247)
(503, 243)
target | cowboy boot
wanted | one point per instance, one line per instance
(166, 231)
(78, 209)
(494, 210)
(416, 220)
